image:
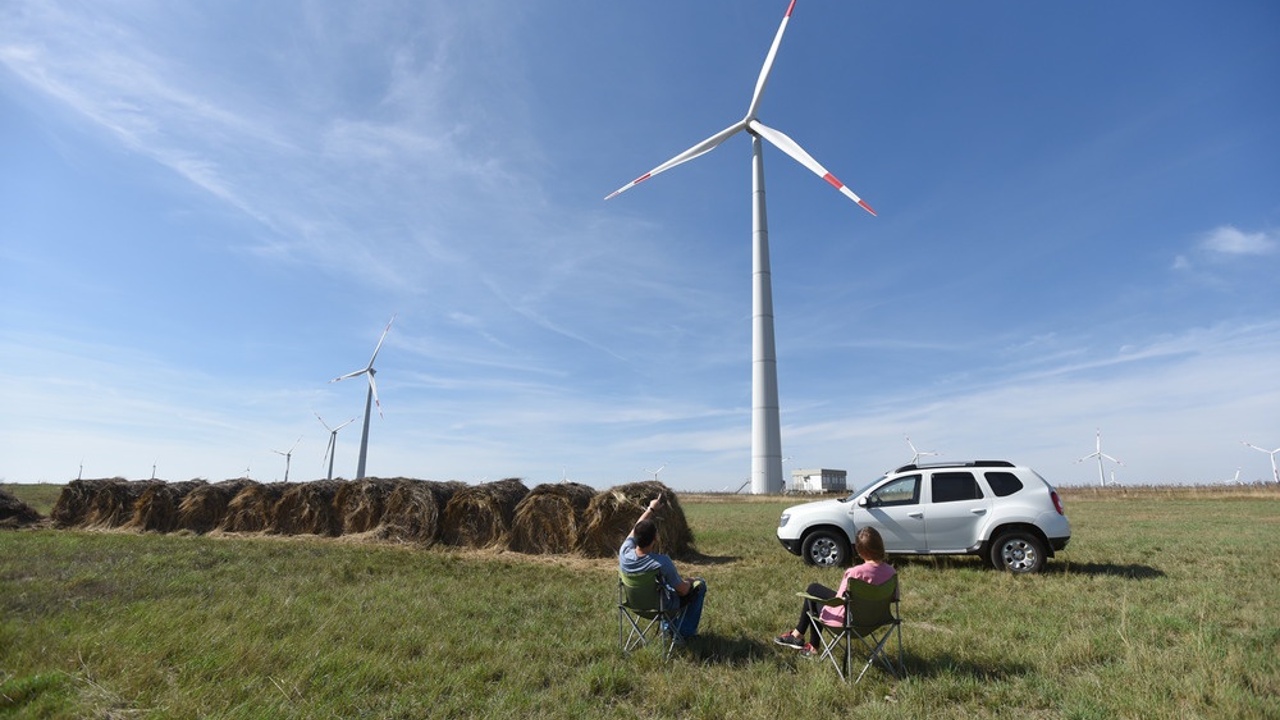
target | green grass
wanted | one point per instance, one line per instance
(1164, 605)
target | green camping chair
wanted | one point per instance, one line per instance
(643, 614)
(871, 621)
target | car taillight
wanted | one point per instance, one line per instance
(1057, 502)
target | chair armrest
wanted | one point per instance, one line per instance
(829, 602)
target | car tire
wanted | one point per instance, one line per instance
(825, 548)
(1018, 552)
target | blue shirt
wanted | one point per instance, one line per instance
(630, 563)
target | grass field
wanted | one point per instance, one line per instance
(1165, 605)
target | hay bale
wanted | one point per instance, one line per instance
(359, 504)
(156, 509)
(72, 507)
(112, 504)
(204, 508)
(250, 510)
(15, 514)
(307, 509)
(548, 520)
(413, 509)
(480, 516)
(613, 512)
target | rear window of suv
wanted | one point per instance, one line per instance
(954, 486)
(1003, 483)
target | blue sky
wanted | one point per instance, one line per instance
(207, 211)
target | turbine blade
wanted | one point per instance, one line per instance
(380, 340)
(349, 375)
(322, 422)
(327, 449)
(345, 424)
(701, 148)
(780, 140)
(768, 63)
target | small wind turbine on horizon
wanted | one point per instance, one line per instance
(1102, 481)
(288, 457)
(371, 398)
(766, 433)
(655, 472)
(917, 454)
(1275, 476)
(333, 441)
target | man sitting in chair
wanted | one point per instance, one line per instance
(636, 556)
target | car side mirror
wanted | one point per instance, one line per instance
(864, 502)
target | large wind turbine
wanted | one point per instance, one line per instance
(333, 441)
(1274, 475)
(766, 437)
(917, 454)
(1100, 455)
(371, 398)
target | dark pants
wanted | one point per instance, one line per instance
(810, 606)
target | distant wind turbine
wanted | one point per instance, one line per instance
(917, 454)
(1100, 455)
(288, 457)
(655, 472)
(1274, 475)
(333, 440)
(766, 434)
(370, 399)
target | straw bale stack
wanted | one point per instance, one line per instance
(613, 512)
(204, 508)
(112, 504)
(413, 510)
(480, 516)
(307, 509)
(360, 504)
(15, 514)
(156, 509)
(74, 501)
(549, 519)
(251, 509)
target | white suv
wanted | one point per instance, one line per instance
(1008, 515)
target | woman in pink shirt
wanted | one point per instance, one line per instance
(874, 570)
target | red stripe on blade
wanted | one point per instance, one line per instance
(832, 179)
(867, 208)
(791, 7)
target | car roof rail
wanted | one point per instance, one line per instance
(955, 464)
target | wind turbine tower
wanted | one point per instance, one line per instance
(1102, 481)
(766, 435)
(333, 440)
(1275, 476)
(371, 398)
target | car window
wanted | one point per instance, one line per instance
(954, 486)
(1003, 483)
(903, 491)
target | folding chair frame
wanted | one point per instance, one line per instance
(642, 612)
(871, 621)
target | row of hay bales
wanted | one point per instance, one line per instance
(555, 518)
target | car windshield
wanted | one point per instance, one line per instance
(862, 489)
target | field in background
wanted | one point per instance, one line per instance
(1164, 605)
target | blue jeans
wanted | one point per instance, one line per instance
(692, 605)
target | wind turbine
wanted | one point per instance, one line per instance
(655, 472)
(766, 435)
(915, 458)
(333, 440)
(370, 399)
(288, 457)
(1274, 475)
(1100, 455)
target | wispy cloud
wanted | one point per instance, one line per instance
(1228, 240)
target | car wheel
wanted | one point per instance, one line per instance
(825, 548)
(1018, 552)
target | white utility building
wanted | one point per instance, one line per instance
(818, 481)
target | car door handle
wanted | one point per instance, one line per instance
(916, 515)
(979, 511)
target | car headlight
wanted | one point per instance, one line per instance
(782, 521)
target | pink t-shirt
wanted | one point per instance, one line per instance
(873, 573)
